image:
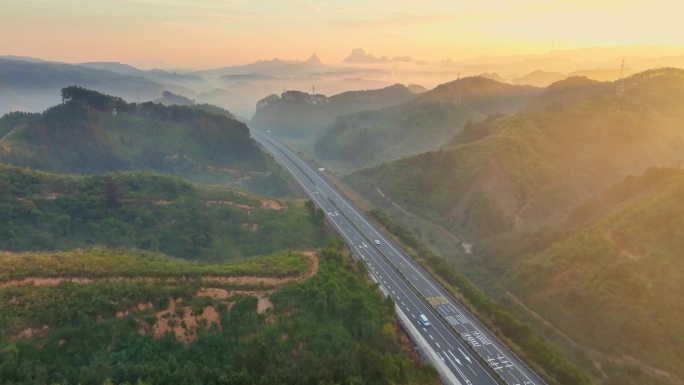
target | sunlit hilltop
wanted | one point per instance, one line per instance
(438, 192)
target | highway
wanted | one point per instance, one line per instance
(467, 348)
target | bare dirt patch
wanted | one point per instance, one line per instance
(263, 301)
(314, 260)
(272, 205)
(263, 304)
(32, 332)
(251, 226)
(228, 203)
(139, 307)
(182, 322)
(214, 293)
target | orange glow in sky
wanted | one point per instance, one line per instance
(210, 33)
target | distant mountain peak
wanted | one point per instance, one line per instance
(313, 59)
(359, 55)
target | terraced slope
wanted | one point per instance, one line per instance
(101, 316)
(42, 211)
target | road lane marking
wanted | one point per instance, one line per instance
(457, 360)
(464, 355)
(305, 174)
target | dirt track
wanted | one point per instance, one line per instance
(178, 319)
(239, 280)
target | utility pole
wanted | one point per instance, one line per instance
(621, 80)
(458, 89)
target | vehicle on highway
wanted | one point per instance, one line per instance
(423, 320)
(377, 241)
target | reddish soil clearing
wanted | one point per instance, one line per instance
(177, 319)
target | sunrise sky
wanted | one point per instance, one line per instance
(210, 33)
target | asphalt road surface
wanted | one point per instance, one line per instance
(469, 350)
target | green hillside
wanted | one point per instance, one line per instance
(208, 326)
(301, 117)
(547, 201)
(373, 137)
(424, 124)
(91, 133)
(520, 171)
(41, 211)
(613, 269)
(569, 91)
(488, 96)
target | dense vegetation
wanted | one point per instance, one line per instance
(613, 269)
(91, 133)
(485, 95)
(516, 172)
(148, 211)
(301, 117)
(333, 328)
(570, 91)
(372, 137)
(536, 193)
(547, 360)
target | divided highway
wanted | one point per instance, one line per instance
(468, 349)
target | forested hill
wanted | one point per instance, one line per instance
(485, 95)
(515, 172)
(42, 211)
(425, 123)
(613, 268)
(301, 116)
(91, 132)
(549, 201)
(372, 137)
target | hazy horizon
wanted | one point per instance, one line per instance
(208, 34)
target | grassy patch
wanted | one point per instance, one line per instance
(98, 262)
(331, 328)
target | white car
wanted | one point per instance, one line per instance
(423, 320)
(377, 241)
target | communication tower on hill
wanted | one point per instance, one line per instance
(621, 80)
(458, 89)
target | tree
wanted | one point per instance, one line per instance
(94, 99)
(111, 194)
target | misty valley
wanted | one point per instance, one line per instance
(463, 202)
